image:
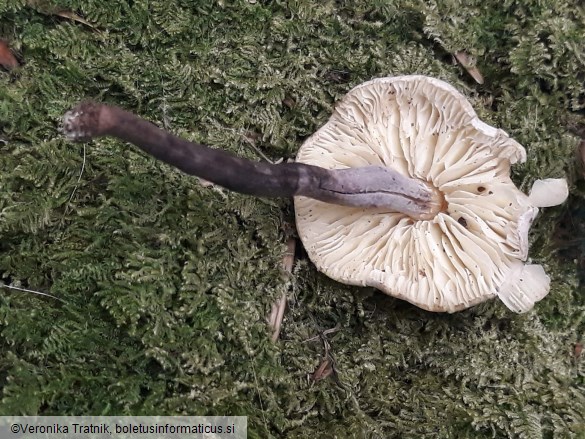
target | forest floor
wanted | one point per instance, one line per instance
(165, 284)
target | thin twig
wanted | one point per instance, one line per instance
(276, 316)
(258, 151)
(78, 178)
(278, 308)
(259, 396)
(322, 334)
(26, 290)
(327, 365)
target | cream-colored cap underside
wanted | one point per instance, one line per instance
(424, 128)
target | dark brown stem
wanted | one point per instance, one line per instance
(372, 186)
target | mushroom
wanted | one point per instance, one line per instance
(470, 251)
(367, 187)
(424, 207)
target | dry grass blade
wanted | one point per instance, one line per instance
(47, 8)
(581, 157)
(276, 316)
(250, 139)
(278, 308)
(74, 17)
(26, 290)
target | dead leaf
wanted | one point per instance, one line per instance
(7, 59)
(289, 102)
(324, 370)
(468, 64)
(578, 350)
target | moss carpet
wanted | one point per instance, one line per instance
(166, 283)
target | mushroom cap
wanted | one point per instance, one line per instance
(470, 252)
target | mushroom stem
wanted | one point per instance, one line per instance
(367, 187)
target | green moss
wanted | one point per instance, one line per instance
(167, 284)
